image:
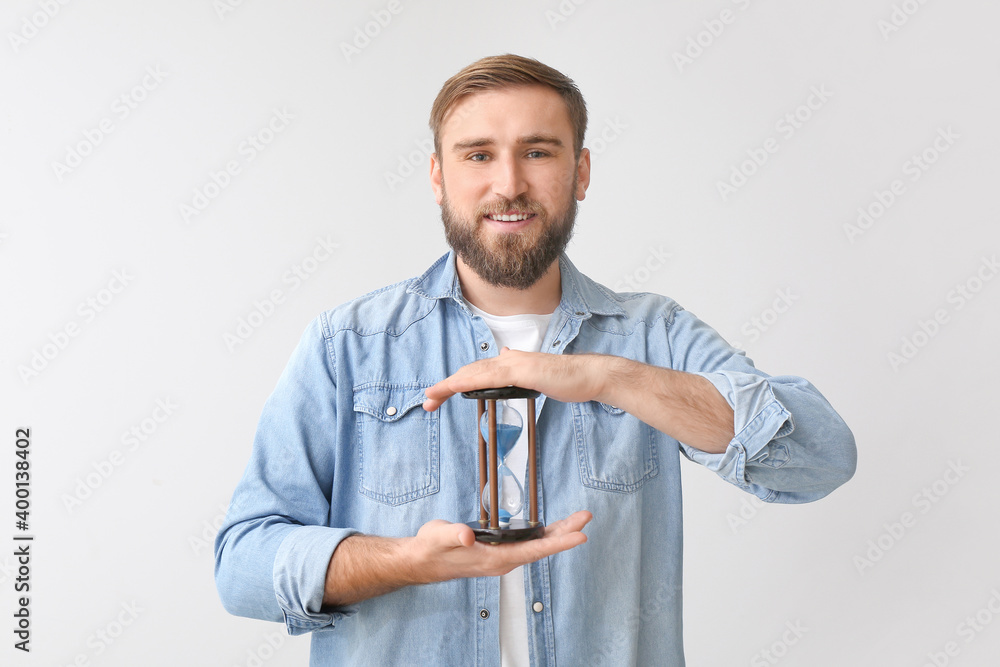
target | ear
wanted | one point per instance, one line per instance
(583, 174)
(436, 182)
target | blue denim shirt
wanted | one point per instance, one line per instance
(344, 446)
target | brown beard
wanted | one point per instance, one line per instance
(517, 259)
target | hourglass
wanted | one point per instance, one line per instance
(499, 428)
(509, 426)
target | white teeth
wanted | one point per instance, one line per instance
(510, 218)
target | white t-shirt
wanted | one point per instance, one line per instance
(518, 332)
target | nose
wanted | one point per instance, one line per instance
(509, 178)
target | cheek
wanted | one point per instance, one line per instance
(464, 193)
(565, 180)
(560, 189)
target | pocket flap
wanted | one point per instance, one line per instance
(388, 402)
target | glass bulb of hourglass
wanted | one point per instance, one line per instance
(509, 426)
(511, 495)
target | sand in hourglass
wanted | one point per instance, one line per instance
(511, 491)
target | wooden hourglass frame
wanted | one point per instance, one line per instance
(487, 528)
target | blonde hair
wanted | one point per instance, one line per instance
(509, 71)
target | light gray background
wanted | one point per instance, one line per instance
(142, 536)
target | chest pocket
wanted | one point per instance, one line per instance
(399, 443)
(616, 451)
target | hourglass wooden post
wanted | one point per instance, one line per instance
(532, 471)
(487, 528)
(483, 518)
(491, 408)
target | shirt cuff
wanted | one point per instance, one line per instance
(758, 418)
(300, 567)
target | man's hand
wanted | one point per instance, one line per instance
(685, 406)
(443, 550)
(365, 566)
(571, 378)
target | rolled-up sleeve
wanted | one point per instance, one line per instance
(274, 547)
(790, 446)
(300, 578)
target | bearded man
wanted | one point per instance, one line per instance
(339, 527)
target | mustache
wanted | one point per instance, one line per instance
(501, 205)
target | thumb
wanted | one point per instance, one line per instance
(464, 535)
(449, 535)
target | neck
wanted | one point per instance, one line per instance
(541, 298)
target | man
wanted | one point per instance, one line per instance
(348, 522)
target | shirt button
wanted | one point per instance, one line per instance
(580, 313)
(556, 343)
(484, 346)
(484, 613)
(390, 411)
(538, 607)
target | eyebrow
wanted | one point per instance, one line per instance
(526, 140)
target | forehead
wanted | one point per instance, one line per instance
(507, 114)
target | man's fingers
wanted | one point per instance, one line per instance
(466, 538)
(573, 523)
(431, 405)
(483, 374)
(449, 550)
(568, 532)
(550, 545)
(440, 392)
(559, 536)
(449, 535)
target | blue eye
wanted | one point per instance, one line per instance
(537, 154)
(475, 157)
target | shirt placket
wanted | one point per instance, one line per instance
(538, 590)
(538, 593)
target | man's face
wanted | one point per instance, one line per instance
(509, 154)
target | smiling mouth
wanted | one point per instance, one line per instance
(509, 217)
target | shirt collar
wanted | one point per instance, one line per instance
(581, 296)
